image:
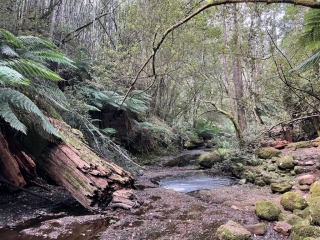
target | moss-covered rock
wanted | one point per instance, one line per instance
(314, 205)
(267, 210)
(305, 213)
(298, 169)
(293, 200)
(296, 145)
(315, 189)
(233, 231)
(281, 187)
(208, 159)
(268, 152)
(294, 219)
(299, 232)
(285, 163)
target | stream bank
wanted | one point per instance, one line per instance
(164, 214)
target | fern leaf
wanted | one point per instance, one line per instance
(8, 51)
(35, 43)
(31, 69)
(11, 77)
(8, 115)
(10, 38)
(19, 100)
(51, 56)
(314, 60)
(91, 108)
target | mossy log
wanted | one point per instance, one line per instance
(90, 178)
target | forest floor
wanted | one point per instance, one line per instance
(165, 214)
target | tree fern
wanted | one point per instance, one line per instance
(310, 39)
(31, 69)
(8, 38)
(103, 98)
(8, 51)
(11, 99)
(9, 116)
(9, 76)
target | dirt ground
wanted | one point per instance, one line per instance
(165, 214)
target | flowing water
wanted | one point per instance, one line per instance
(190, 183)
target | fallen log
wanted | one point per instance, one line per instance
(90, 178)
(9, 167)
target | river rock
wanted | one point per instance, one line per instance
(307, 179)
(304, 232)
(283, 228)
(267, 210)
(285, 163)
(315, 189)
(232, 230)
(294, 219)
(304, 188)
(293, 200)
(208, 159)
(281, 187)
(314, 205)
(257, 229)
(268, 152)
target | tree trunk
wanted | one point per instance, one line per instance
(90, 179)
(237, 74)
(235, 123)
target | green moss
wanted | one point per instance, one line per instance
(233, 231)
(281, 187)
(299, 232)
(293, 219)
(315, 189)
(207, 159)
(314, 204)
(267, 210)
(293, 200)
(268, 152)
(297, 145)
(305, 213)
(285, 162)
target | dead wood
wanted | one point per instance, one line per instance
(89, 178)
(9, 168)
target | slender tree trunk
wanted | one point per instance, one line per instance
(225, 65)
(237, 74)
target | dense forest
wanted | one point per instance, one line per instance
(97, 88)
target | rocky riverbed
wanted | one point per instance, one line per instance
(164, 213)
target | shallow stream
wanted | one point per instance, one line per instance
(194, 182)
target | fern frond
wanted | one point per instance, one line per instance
(8, 115)
(8, 51)
(19, 100)
(314, 60)
(91, 108)
(10, 38)
(51, 56)
(11, 77)
(31, 69)
(34, 43)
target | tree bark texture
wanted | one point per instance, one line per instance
(90, 178)
(9, 168)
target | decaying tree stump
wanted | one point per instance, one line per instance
(89, 178)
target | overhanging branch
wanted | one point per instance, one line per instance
(212, 3)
